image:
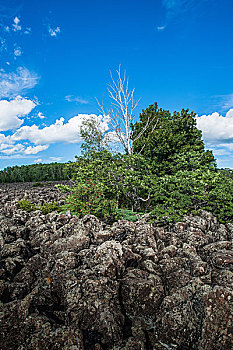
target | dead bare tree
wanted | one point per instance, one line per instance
(121, 111)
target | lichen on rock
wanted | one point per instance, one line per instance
(78, 284)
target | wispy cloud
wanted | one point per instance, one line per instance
(55, 159)
(17, 83)
(18, 51)
(54, 31)
(16, 26)
(177, 8)
(28, 30)
(160, 29)
(225, 101)
(77, 99)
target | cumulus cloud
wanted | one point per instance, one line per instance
(17, 83)
(54, 31)
(35, 149)
(78, 99)
(39, 160)
(5, 139)
(59, 131)
(12, 111)
(216, 127)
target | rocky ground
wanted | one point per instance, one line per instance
(73, 284)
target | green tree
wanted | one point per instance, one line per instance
(170, 141)
(94, 135)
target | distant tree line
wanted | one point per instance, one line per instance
(35, 172)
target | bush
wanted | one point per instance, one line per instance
(188, 191)
(27, 205)
(89, 198)
(46, 208)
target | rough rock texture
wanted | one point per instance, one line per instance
(74, 284)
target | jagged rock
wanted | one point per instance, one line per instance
(78, 284)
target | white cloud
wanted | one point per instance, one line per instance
(17, 51)
(225, 101)
(160, 29)
(78, 99)
(39, 160)
(16, 26)
(15, 83)
(18, 148)
(7, 29)
(12, 111)
(40, 115)
(28, 31)
(35, 149)
(226, 145)
(178, 8)
(221, 152)
(216, 128)
(54, 32)
(5, 139)
(55, 159)
(3, 44)
(59, 131)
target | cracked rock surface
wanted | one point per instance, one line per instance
(77, 284)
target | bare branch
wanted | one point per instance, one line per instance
(121, 111)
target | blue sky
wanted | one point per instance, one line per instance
(55, 58)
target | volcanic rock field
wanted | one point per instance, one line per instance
(75, 284)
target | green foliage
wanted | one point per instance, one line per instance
(129, 215)
(186, 192)
(27, 205)
(170, 174)
(95, 139)
(170, 142)
(125, 178)
(38, 184)
(46, 208)
(89, 198)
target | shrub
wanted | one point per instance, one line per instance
(46, 208)
(88, 198)
(27, 205)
